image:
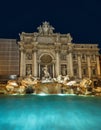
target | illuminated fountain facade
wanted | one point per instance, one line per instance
(58, 54)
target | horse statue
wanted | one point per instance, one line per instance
(85, 85)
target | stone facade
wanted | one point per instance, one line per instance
(58, 53)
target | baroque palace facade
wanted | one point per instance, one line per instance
(58, 53)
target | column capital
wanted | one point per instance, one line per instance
(22, 49)
(57, 44)
(57, 50)
(53, 61)
(34, 49)
(21, 43)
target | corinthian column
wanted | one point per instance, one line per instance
(35, 63)
(89, 66)
(57, 64)
(71, 64)
(53, 71)
(34, 50)
(98, 65)
(70, 50)
(79, 66)
(22, 62)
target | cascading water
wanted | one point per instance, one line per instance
(50, 112)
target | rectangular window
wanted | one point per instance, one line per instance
(84, 71)
(83, 57)
(74, 56)
(93, 57)
(75, 71)
(93, 71)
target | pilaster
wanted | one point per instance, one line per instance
(98, 65)
(71, 63)
(35, 62)
(89, 66)
(57, 67)
(22, 59)
(79, 66)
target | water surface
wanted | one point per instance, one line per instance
(57, 112)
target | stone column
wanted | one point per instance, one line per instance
(53, 70)
(57, 67)
(89, 66)
(98, 65)
(79, 66)
(22, 62)
(22, 59)
(34, 50)
(68, 68)
(71, 64)
(39, 69)
(35, 63)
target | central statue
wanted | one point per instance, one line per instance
(46, 73)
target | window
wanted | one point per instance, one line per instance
(93, 57)
(74, 56)
(75, 71)
(84, 71)
(93, 71)
(83, 57)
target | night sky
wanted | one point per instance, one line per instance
(80, 18)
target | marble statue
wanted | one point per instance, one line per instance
(45, 29)
(46, 73)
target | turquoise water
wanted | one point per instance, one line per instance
(34, 112)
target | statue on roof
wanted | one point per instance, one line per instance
(45, 29)
(69, 38)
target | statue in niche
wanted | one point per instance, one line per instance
(46, 73)
(64, 71)
(28, 56)
(28, 69)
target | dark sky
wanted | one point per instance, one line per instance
(81, 18)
